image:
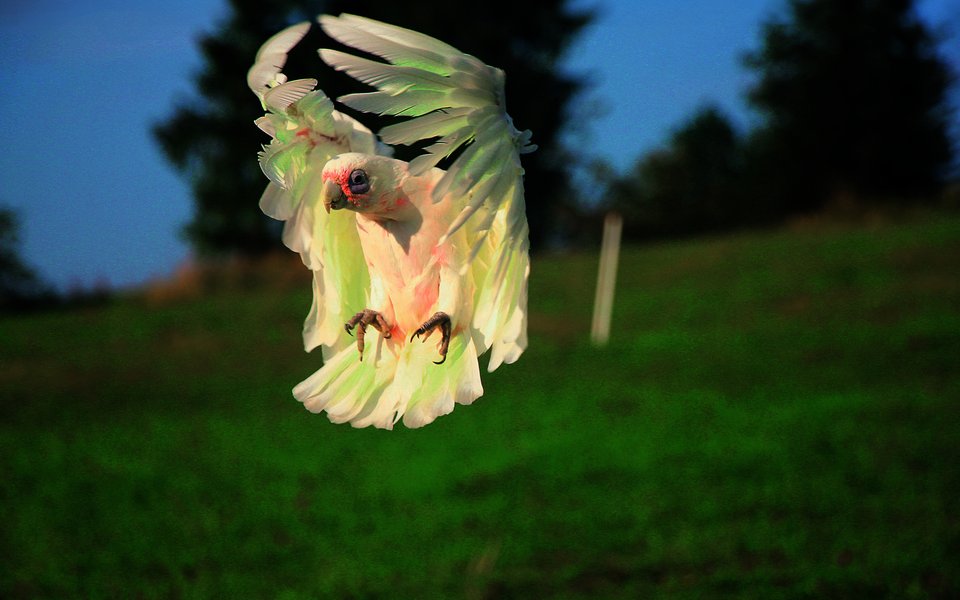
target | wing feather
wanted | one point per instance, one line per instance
(439, 150)
(305, 133)
(279, 98)
(393, 79)
(412, 104)
(272, 56)
(436, 124)
(399, 47)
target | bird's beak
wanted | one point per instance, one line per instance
(332, 196)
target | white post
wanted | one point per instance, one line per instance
(606, 279)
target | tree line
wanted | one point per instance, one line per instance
(852, 98)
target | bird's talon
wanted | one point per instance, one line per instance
(361, 320)
(441, 320)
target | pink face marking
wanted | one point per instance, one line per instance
(342, 178)
(339, 176)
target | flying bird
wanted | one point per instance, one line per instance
(417, 270)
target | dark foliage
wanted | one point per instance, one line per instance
(854, 95)
(693, 185)
(20, 288)
(213, 141)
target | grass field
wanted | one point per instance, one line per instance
(777, 415)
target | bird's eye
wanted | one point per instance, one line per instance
(359, 183)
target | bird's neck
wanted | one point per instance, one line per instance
(394, 205)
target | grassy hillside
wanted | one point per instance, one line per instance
(777, 414)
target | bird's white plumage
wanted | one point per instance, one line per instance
(279, 98)
(459, 110)
(457, 101)
(272, 56)
(307, 132)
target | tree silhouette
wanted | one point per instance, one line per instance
(690, 186)
(854, 95)
(20, 287)
(211, 139)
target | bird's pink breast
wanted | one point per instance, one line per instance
(425, 297)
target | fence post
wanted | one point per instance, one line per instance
(606, 279)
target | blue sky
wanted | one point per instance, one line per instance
(83, 81)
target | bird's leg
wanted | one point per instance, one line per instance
(361, 320)
(441, 320)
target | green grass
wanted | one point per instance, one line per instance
(776, 415)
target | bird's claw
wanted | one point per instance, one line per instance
(441, 320)
(361, 320)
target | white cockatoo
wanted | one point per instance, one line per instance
(401, 253)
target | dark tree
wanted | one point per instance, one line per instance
(690, 186)
(20, 288)
(854, 95)
(213, 141)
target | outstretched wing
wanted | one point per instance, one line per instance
(306, 132)
(457, 98)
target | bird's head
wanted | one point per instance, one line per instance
(362, 183)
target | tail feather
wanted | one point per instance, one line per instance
(395, 380)
(439, 387)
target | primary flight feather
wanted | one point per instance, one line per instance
(401, 253)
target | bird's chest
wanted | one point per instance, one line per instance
(399, 252)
